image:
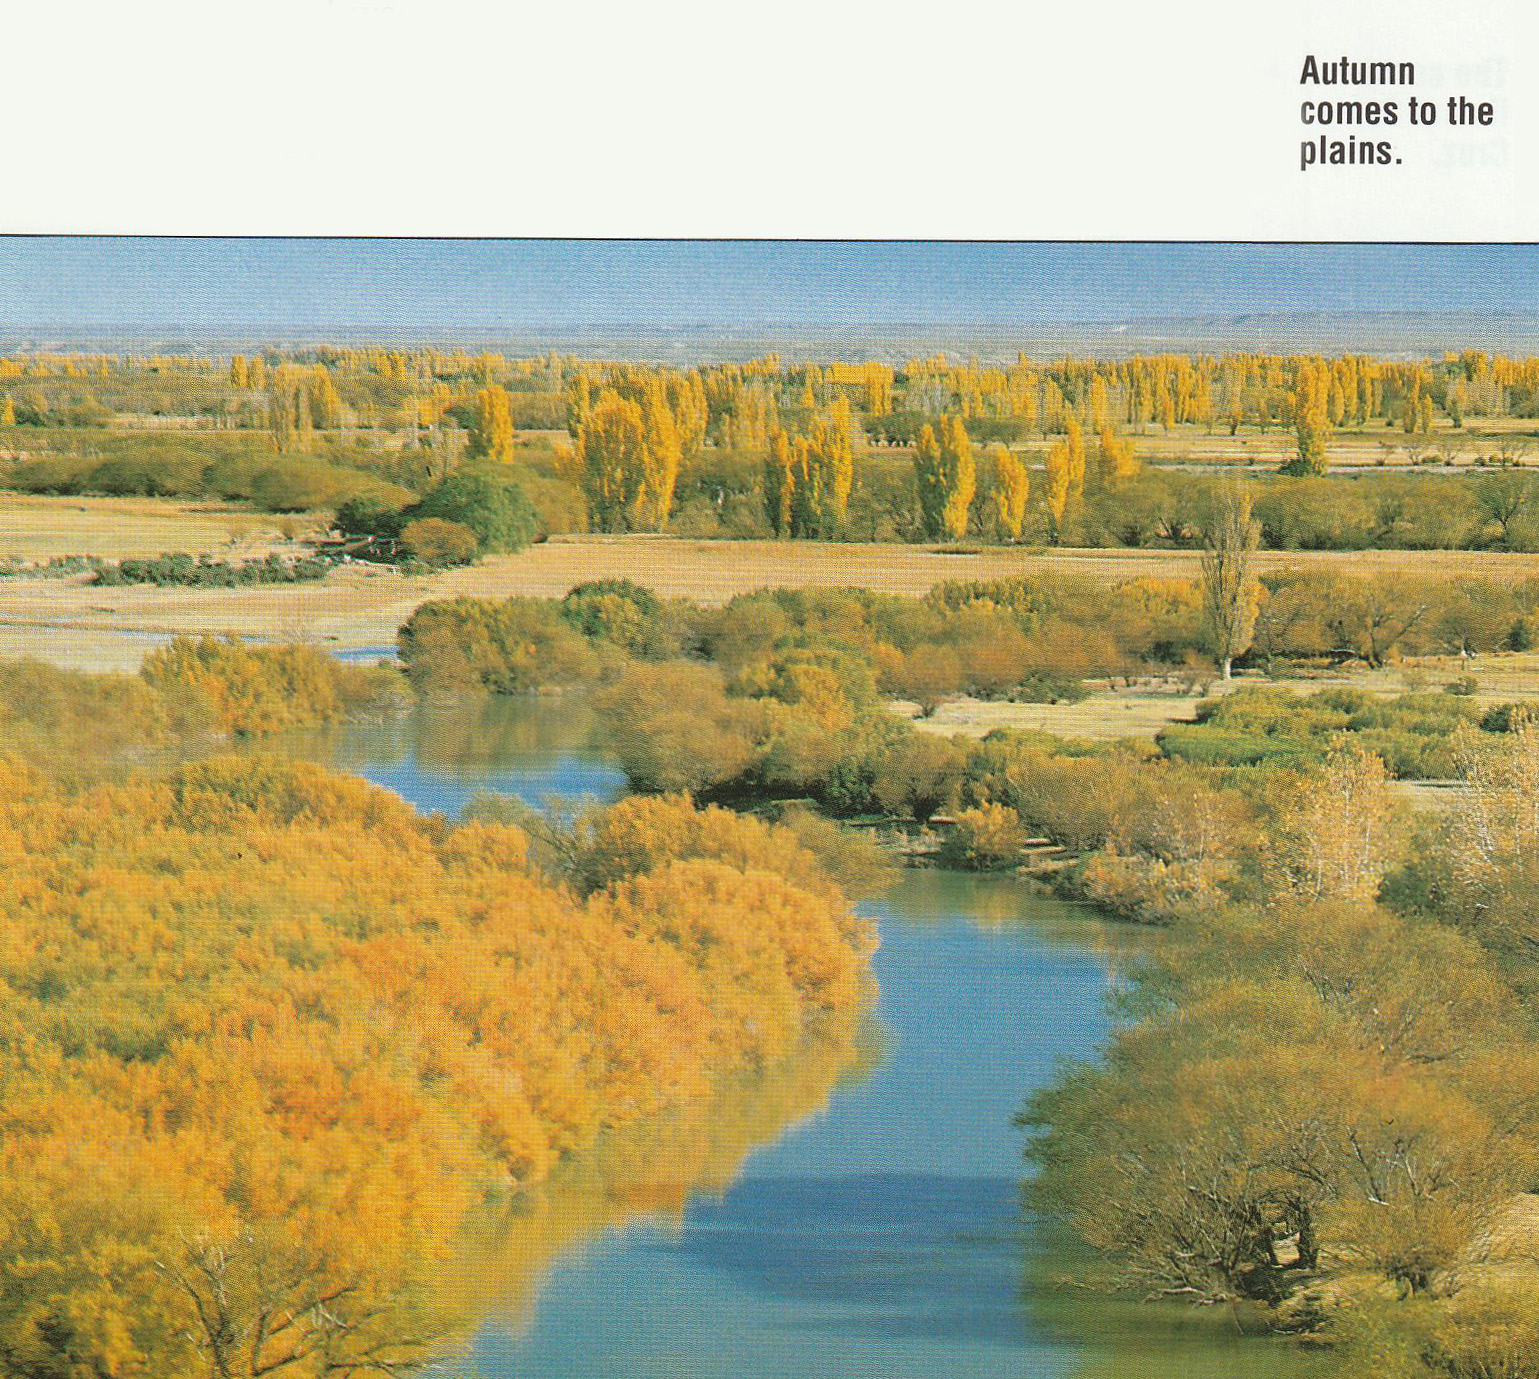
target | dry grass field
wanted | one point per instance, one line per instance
(713, 571)
(81, 625)
(34, 527)
(1370, 447)
(1140, 710)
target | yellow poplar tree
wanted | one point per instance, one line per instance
(8, 412)
(691, 412)
(833, 450)
(611, 451)
(780, 483)
(325, 400)
(1100, 404)
(1012, 486)
(579, 402)
(807, 479)
(1059, 482)
(1074, 439)
(947, 477)
(1231, 593)
(1410, 408)
(491, 429)
(1311, 423)
(304, 418)
(661, 458)
(957, 452)
(1118, 462)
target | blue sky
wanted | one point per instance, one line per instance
(434, 288)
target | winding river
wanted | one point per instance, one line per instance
(863, 1222)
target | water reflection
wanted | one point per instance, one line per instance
(853, 1213)
(440, 755)
(1121, 1337)
(654, 1171)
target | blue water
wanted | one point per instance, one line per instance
(368, 655)
(882, 1235)
(440, 757)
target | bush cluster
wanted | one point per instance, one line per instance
(208, 572)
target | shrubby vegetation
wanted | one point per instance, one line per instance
(474, 511)
(1319, 1105)
(243, 1131)
(207, 572)
(784, 693)
(72, 720)
(511, 647)
(192, 690)
(273, 1036)
(1325, 1104)
(1028, 638)
(250, 690)
(200, 465)
(1414, 733)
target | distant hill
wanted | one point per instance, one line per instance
(1305, 332)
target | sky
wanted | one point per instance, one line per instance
(432, 289)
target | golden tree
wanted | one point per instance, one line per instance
(807, 479)
(1058, 466)
(325, 400)
(1311, 421)
(289, 417)
(491, 428)
(831, 451)
(780, 482)
(629, 454)
(611, 448)
(947, 477)
(1012, 486)
(1331, 840)
(1118, 463)
(1074, 439)
(661, 458)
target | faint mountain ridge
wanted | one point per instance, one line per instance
(1413, 334)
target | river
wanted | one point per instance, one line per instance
(872, 1227)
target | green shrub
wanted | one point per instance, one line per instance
(487, 501)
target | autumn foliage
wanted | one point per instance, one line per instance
(269, 1036)
(249, 690)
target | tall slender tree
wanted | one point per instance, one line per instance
(1230, 591)
(1012, 486)
(947, 477)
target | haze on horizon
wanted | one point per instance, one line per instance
(440, 289)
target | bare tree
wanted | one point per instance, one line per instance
(265, 1306)
(1230, 593)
